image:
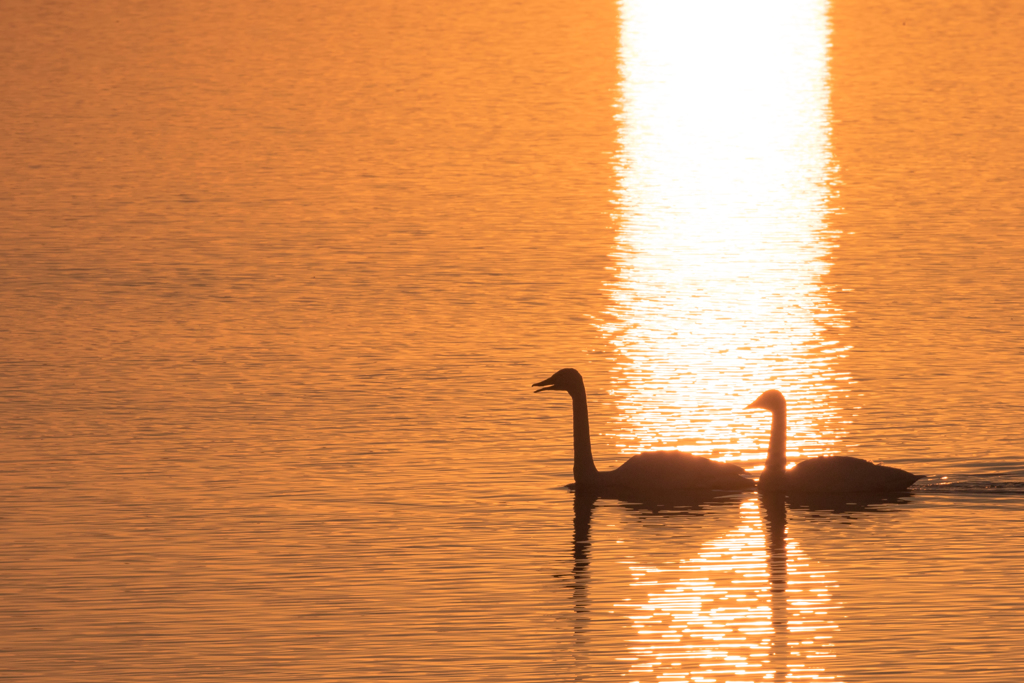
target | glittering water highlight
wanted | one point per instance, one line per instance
(750, 606)
(723, 237)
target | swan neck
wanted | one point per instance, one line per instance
(777, 443)
(583, 469)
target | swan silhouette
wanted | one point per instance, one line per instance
(654, 472)
(828, 474)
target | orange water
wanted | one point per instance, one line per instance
(276, 279)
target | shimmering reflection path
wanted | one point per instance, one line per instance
(750, 606)
(725, 174)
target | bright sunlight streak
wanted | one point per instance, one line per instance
(725, 174)
(744, 609)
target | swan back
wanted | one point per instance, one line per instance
(675, 470)
(843, 474)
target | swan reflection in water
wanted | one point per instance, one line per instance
(751, 605)
(584, 502)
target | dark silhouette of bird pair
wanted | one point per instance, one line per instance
(657, 472)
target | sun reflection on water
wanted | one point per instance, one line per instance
(750, 607)
(725, 177)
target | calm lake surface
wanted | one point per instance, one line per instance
(275, 279)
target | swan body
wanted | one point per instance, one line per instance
(650, 472)
(828, 474)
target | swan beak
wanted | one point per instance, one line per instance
(545, 385)
(752, 405)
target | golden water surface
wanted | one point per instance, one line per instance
(275, 279)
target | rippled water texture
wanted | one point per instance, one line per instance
(275, 279)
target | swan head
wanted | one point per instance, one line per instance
(772, 400)
(566, 379)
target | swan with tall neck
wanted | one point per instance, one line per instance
(648, 473)
(828, 474)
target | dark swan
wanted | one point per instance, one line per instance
(648, 473)
(828, 474)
